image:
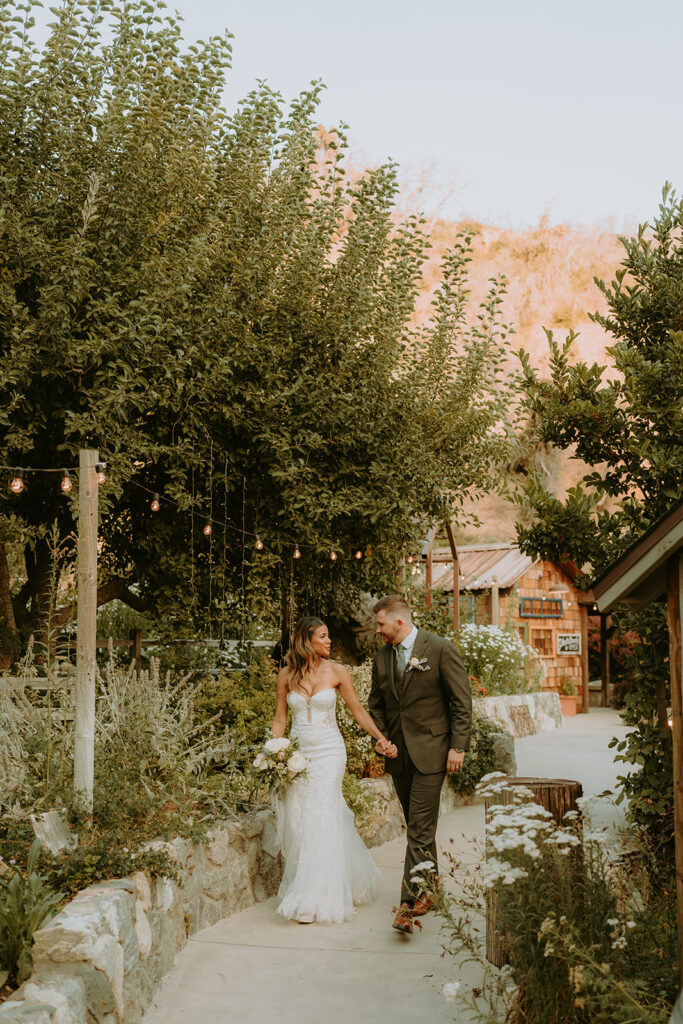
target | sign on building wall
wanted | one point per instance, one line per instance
(569, 643)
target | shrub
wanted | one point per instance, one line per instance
(482, 757)
(500, 662)
(244, 701)
(362, 761)
(160, 771)
(25, 905)
(590, 940)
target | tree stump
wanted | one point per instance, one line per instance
(557, 796)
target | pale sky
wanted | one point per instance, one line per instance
(526, 107)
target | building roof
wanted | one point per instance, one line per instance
(639, 576)
(481, 565)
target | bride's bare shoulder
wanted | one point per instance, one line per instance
(341, 672)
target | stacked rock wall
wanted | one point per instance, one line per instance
(102, 957)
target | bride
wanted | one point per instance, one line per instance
(328, 869)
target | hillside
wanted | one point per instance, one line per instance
(550, 272)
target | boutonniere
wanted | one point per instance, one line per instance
(420, 664)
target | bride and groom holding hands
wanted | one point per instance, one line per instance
(420, 716)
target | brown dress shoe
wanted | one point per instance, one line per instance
(422, 905)
(403, 922)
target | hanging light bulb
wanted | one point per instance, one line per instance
(17, 482)
(409, 559)
(66, 483)
(155, 504)
(333, 556)
(359, 554)
(100, 470)
(208, 529)
(259, 543)
(296, 553)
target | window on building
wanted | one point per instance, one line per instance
(542, 642)
(540, 607)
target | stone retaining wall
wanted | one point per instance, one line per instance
(102, 957)
(524, 714)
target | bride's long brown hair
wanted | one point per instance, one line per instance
(301, 658)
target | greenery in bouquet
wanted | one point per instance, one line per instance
(498, 662)
(279, 763)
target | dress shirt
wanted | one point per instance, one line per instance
(407, 644)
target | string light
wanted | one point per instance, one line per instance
(259, 543)
(296, 553)
(155, 504)
(333, 556)
(409, 559)
(208, 530)
(66, 483)
(17, 484)
(100, 470)
(359, 555)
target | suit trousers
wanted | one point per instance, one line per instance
(419, 796)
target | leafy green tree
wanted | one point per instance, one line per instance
(211, 302)
(626, 422)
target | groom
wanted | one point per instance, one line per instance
(421, 700)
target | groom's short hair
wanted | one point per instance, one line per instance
(394, 604)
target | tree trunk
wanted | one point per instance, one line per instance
(8, 625)
(557, 796)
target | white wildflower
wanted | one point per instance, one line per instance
(424, 865)
(450, 990)
(619, 942)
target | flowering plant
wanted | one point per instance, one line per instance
(280, 762)
(587, 942)
(498, 661)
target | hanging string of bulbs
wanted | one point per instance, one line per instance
(18, 485)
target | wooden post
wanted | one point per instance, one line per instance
(136, 648)
(495, 603)
(604, 660)
(86, 621)
(557, 796)
(675, 612)
(584, 659)
(428, 579)
(456, 578)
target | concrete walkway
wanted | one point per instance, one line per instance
(255, 966)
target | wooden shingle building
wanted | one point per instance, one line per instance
(499, 584)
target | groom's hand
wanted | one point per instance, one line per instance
(455, 760)
(386, 748)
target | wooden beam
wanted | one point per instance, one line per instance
(604, 661)
(585, 704)
(428, 579)
(675, 612)
(86, 624)
(495, 603)
(456, 578)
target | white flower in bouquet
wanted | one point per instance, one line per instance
(276, 745)
(261, 762)
(297, 763)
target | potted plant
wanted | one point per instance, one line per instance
(568, 695)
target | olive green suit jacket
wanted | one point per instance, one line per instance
(429, 711)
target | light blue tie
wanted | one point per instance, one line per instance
(400, 659)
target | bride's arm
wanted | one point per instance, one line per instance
(363, 718)
(280, 721)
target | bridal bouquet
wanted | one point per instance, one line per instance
(280, 762)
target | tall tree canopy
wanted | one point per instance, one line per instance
(625, 421)
(215, 305)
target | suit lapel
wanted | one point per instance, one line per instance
(419, 648)
(390, 669)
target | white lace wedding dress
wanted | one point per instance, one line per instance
(328, 868)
